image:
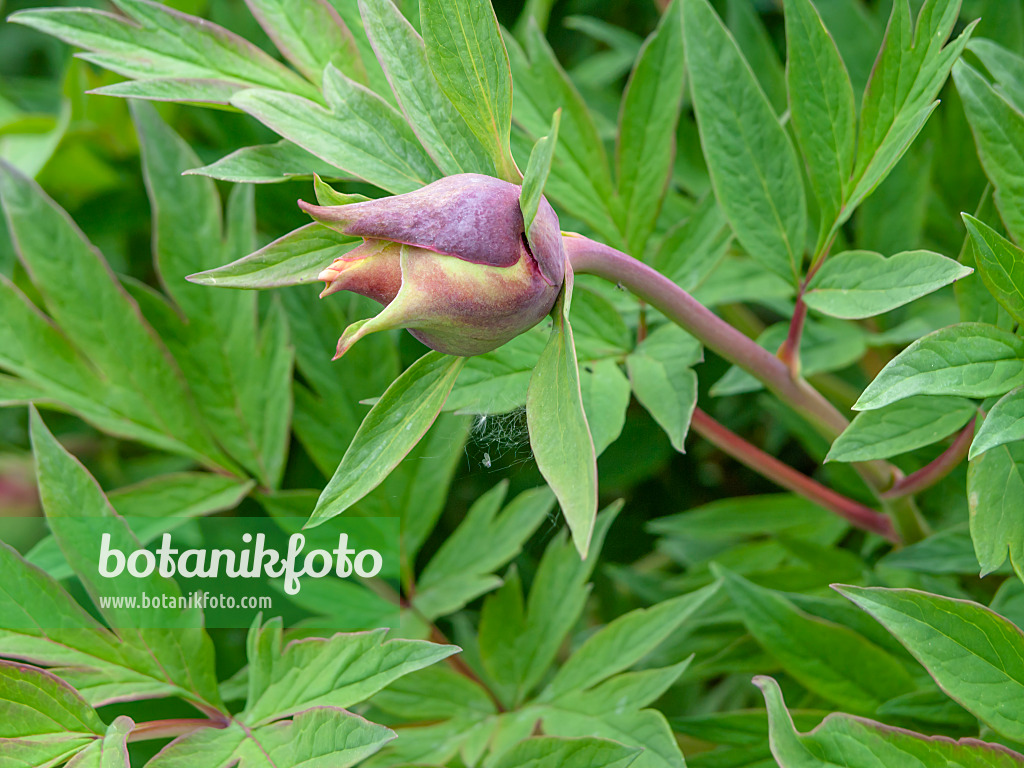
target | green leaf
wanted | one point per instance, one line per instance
(155, 41)
(973, 298)
(605, 391)
(317, 738)
(967, 359)
(1001, 265)
(753, 165)
(598, 326)
(998, 128)
(623, 692)
(311, 35)
(518, 642)
(496, 382)
(859, 284)
(995, 493)
(858, 743)
(645, 145)
(390, 430)
(664, 381)
(739, 727)
(1001, 23)
(239, 370)
(745, 516)
(338, 671)
(187, 224)
(139, 391)
(821, 105)
(294, 259)
(623, 642)
(900, 427)
(693, 248)
(463, 567)
(559, 434)
(162, 504)
(434, 693)
(975, 655)
(1003, 424)
(826, 345)
(75, 509)
(646, 728)
(45, 625)
(438, 125)
(911, 68)
(468, 59)
(109, 752)
(75, 505)
(43, 720)
(948, 551)
(567, 753)
(328, 195)
(1003, 64)
(360, 132)
(537, 172)
(580, 181)
(893, 218)
(172, 89)
(266, 164)
(828, 659)
(605, 67)
(759, 49)
(929, 706)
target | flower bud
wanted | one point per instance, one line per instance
(450, 262)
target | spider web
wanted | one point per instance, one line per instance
(499, 440)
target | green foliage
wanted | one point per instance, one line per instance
(705, 148)
(559, 433)
(880, 744)
(944, 634)
(750, 157)
(394, 425)
(859, 284)
(469, 62)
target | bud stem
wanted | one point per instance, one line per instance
(590, 257)
(784, 475)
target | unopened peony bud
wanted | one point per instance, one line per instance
(450, 262)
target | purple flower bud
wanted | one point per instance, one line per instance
(450, 262)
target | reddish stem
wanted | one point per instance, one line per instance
(935, 470)
(789, 352)
(590, 257)
(171, 729)
(785, 476)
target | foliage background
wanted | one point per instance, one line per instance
(84, 152)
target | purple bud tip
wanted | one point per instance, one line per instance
(451, 262)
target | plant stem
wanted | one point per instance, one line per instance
(590, 257)
(789, 352)
(210, 711)
(784, 475)
(170, 729)
(935, 470)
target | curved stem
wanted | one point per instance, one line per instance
(935, 470)
(785, 476)
(590, 257)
